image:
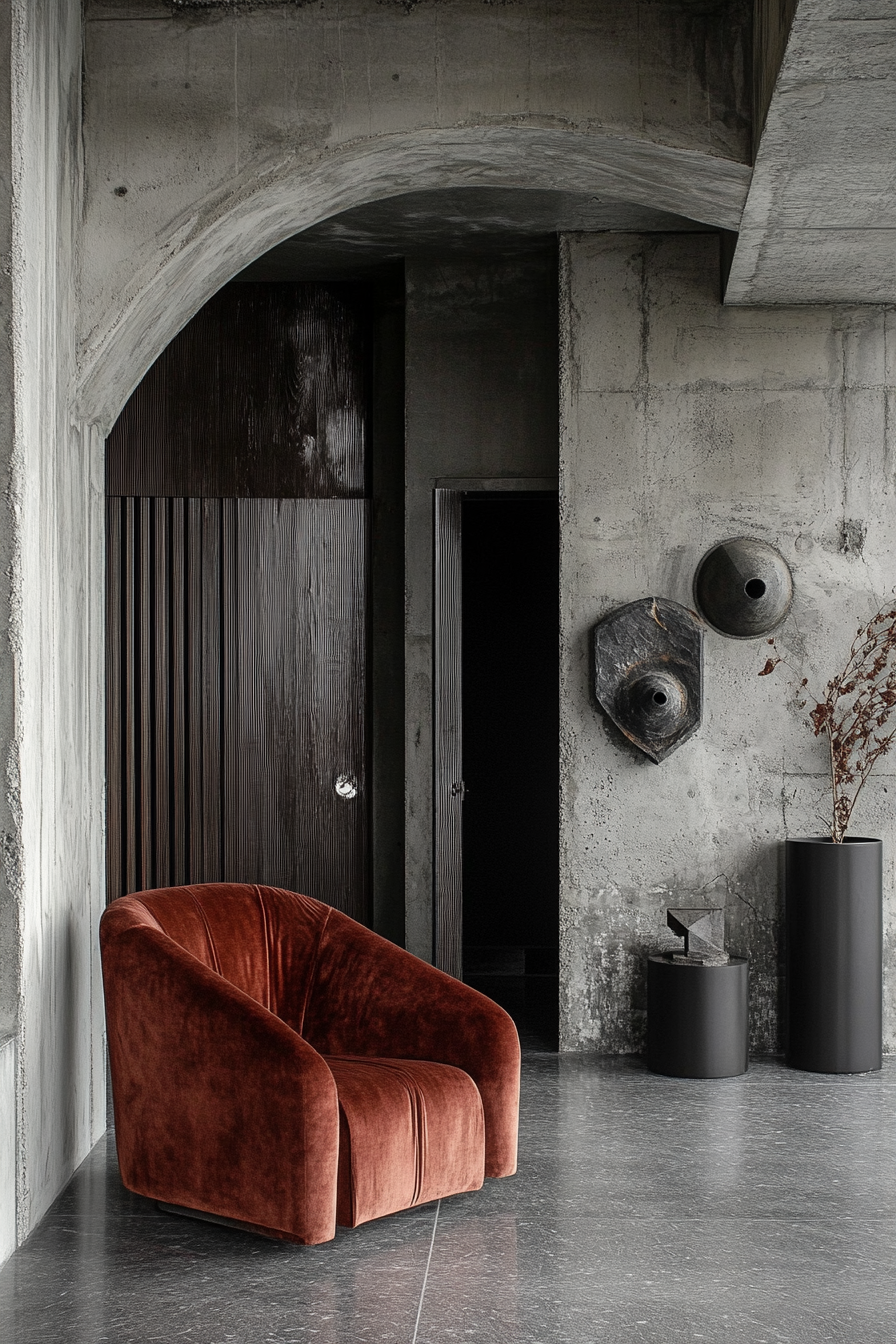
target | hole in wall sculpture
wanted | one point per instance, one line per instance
(743, 588)
(648, 673)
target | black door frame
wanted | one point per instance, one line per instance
(448, 787)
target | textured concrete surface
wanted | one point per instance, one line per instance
(8, 1147)
(9, 866)
(481, 403)
(750, 1210)
(819, 225)
(53, 746)
(423, 223)
(209, 138)
(685, 422)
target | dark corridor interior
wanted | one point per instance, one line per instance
(510, 547)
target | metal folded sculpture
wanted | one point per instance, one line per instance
(703, 931)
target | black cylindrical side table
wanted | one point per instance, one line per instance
(834, 955)
(697, 1018)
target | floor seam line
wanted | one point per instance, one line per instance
(426, 1273)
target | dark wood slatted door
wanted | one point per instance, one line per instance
(237, 674)
(237, 581)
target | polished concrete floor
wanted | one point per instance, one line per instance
(760, 1208)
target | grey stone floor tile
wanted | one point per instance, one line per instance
(501, 1280)
(773, 1143)
(134, 1275)
(761, 1208)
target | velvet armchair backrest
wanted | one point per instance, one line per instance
(263, 940)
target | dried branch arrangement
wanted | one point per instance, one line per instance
(854, 712)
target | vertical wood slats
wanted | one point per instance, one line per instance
(177, 651)
(162, 679)
(230, 742)
(447, 718)
(237, 680)
(130, 721)
(205, 761)
(115, 727)
(143, 663)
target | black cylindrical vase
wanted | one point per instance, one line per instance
(834, 937)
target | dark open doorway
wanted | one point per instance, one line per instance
(510, 732)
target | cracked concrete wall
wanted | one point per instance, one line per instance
(684, 422)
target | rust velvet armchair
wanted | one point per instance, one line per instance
(278, 1065)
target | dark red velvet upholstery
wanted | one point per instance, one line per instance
(271, 1058)
(409, 1131)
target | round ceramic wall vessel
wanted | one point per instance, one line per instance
(743, 588)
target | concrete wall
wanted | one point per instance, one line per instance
(52, 700)
(9, 867)
(210, 137)
(7, 1148)
(819, 223)
(481, 399)
(683, 423)
(772, 20)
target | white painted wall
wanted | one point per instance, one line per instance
(684, 422)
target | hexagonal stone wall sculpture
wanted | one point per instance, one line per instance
(648, 673)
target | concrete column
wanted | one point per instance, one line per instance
(51, 655)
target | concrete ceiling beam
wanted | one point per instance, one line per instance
(819, 224)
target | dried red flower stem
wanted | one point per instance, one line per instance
(855, 706)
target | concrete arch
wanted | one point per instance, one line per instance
(224, 233)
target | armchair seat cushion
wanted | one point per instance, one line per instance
(410, 1131)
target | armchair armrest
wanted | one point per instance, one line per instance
(219, 1105)
(370, 997)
